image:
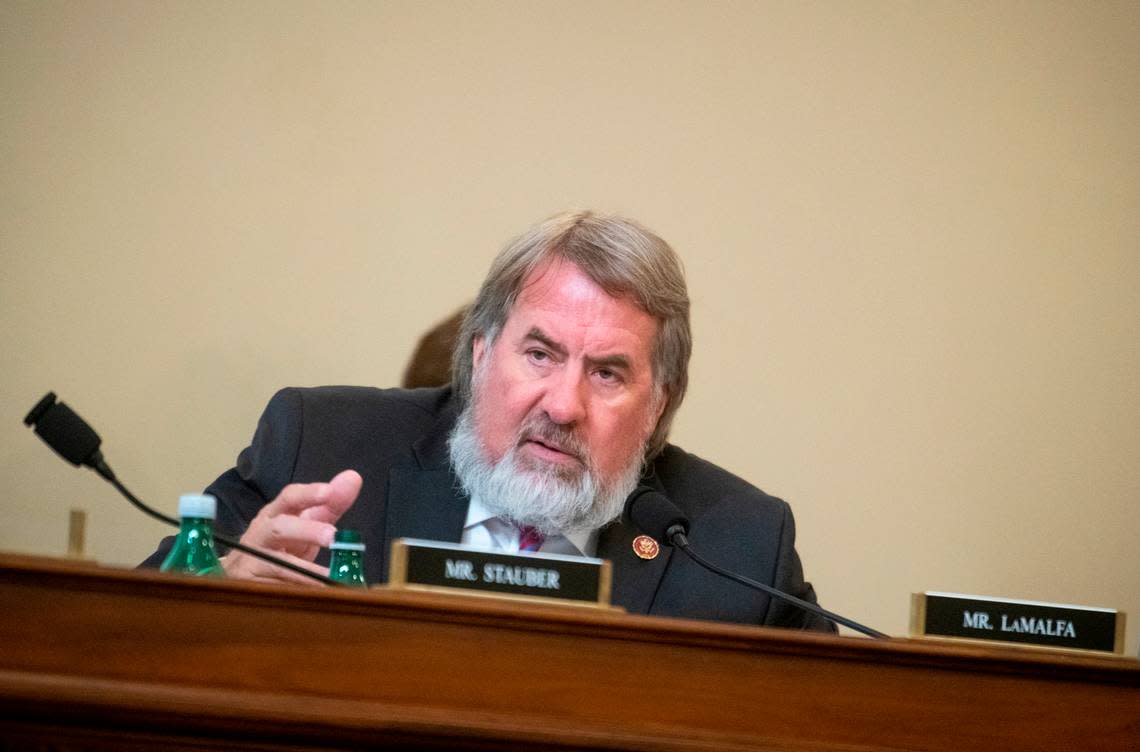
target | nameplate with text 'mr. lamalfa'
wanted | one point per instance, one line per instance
(1046, 625)
(453, 567)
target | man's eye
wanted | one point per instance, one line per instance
(538, 356)
(608, 376)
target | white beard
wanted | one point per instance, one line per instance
(551, 498)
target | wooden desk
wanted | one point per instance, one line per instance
(110, 659)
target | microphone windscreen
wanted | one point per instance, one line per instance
(67, 433)
(653, 514)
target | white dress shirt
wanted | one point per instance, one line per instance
(485, 530)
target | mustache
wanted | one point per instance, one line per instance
(563, 438)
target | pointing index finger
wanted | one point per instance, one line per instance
(297, 497)
(322, 501)
(342, 492)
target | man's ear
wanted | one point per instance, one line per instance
(662, 401)
(477, 345)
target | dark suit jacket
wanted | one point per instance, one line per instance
(397, 440)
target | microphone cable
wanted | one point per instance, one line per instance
(72, 438)
(657, 516)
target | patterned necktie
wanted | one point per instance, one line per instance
(529, 538)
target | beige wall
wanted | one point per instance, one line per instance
(910, 231)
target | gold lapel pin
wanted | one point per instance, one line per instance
(645, 547)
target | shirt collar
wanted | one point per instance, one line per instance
(585, 541)
(477, 514)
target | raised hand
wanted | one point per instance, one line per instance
(294, 526)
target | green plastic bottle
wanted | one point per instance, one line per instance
(193, 551)
(347, 562)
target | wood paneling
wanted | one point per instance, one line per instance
(110, 659)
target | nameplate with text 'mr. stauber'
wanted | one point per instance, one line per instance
(431, 565)
(1049, 625)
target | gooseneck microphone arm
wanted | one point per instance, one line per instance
(225, 540)
(660, 518)
(682, 542)
(104, 470)
(74, 440)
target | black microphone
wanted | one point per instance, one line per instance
(74, 440)
(65, 432)
(656, 516)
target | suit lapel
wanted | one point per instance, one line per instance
(423, 504)
(635, 580)
(424, 499)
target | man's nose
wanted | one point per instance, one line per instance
(565, 399)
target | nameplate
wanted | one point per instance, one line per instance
(1049, 625)
(431, 565)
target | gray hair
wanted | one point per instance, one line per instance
(621, 257)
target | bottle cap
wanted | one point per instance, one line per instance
(197, 505)
(347, 540)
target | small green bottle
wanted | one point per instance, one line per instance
(347, 563)
(193, 551)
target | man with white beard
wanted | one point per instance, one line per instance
(569, 368)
